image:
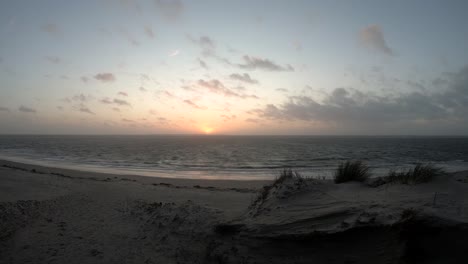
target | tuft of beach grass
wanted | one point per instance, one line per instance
(352, 171)
(421, 173)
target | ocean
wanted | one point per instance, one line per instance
(232, 157)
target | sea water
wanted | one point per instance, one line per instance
(233, 157)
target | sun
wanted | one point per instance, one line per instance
(207, 130)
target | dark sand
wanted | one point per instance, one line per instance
(51, 215)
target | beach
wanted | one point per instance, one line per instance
(51, 215)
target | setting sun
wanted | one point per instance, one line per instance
(207, 130)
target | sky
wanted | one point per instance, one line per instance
(234, 67)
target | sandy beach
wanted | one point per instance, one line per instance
(51, 215)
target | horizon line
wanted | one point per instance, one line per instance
(215, 135)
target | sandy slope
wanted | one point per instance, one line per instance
(60, 216)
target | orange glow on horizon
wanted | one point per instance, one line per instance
(207, 130)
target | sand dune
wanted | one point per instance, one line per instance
(60, 216)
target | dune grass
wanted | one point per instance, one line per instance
(352, 171)
(285, 174)
(421, 173)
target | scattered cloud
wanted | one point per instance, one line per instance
(81, 98)
(116, 109)
(127, 120)
(60, 108)
(129, 37)
(372, 37)
(228, 117)
(188, 88)
(168, 94)
(149, 32)
(205, 43)
(194, 105)
(284, 90)
(170, 9)
(26, 109)
(145, 77)
(243, 78)
(163, 120)
(174, 53)
(84, 79)
(253, 63)
(297, 45)
(121, 102)
(217, 87)
(253, 120)
(106, 101)
(105, 77)
(86, 110)
(4, 109)
(142, 89)
(52, 29)
(53, 59)
(202, 64)
(123, 93)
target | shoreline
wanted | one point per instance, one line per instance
(221, 174)
(180, 182)
(176, 180)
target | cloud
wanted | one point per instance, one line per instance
(208, 50)
(253, 120)
(26, 109)
(163, 120)
(206, 44)
(81, 98)
(149, 32)
(84, 79)
(215, 86)
(194, 105)
(284, 90)
(348, 109)
(243, 78)
(228, 117)
(170, 9)
(372, 37)
(128, 36)
(106, 101)
(121, 102)
(52, 29)
(168, 94)
(4, 109)
(53, 59)
(174, 53)
(85, 110)
(202, 64)
(123, 93)
(142, 89)
(297, 45)
(105, 77)
(252, 63)
(116, 109)
(145, 77)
